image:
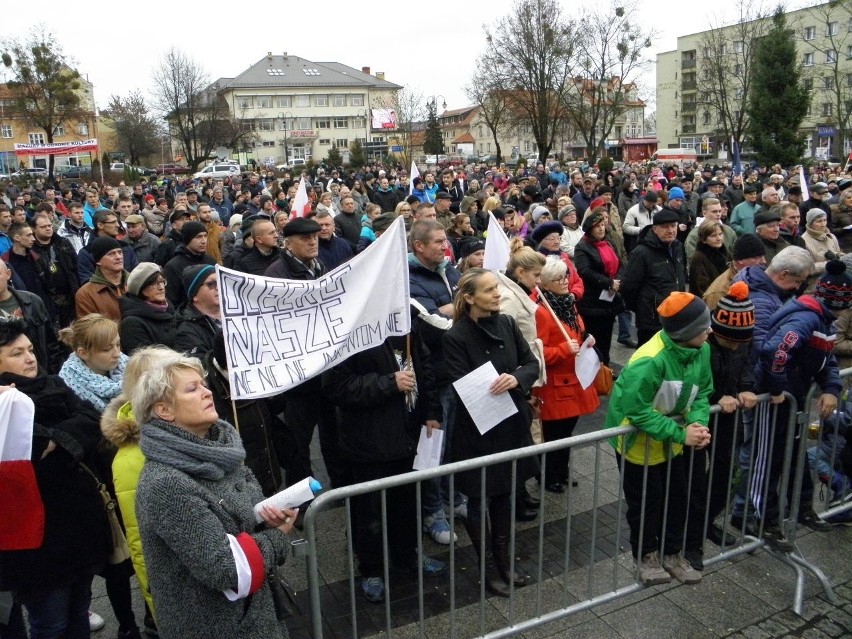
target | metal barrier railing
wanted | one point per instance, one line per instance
(617, 578)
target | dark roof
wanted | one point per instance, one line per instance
(278, 71)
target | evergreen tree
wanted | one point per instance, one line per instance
(357, 159)
(433, 142)
(777, 101)
(334, 159)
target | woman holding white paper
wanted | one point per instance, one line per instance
(481, 334)
(561, 331)
(206, 557)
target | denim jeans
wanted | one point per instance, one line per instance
(61, 613)
(625, 322)
(435, 491)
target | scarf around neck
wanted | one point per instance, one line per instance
(89, 385)
(563, 306)
(218, 454)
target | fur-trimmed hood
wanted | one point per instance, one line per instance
(118, 424)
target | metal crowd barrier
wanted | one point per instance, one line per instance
(606, 562)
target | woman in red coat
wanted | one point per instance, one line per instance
(563, 400)
(546, 238)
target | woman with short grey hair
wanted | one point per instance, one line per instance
(206, 555)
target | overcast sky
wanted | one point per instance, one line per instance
(433, 51)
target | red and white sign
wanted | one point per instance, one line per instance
(383, 119)
(57, 148)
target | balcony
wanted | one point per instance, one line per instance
(688, 85)
(689, 63)
(688, 106)
(688, 128)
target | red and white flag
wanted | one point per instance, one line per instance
(21, 508)
(301, 204)
(415, 173)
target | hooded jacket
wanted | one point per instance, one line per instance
(767, 298)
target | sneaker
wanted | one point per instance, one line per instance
(460, 510)
(373, 589)
(813, 521)
(679, 568)
(96, 622)
(716, 533)
(439, 530)
(433, 567)
(772, 535)
(650, 571)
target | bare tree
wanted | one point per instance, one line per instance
(137, 132)
(47, 89)
(609, 57)
(410, 108)
(484, 92)
(198, 117)
(721, 72)
(650, 124)
(531, 48)
(831, 40)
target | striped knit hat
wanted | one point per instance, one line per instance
(683, 316)
(733, 318)
(834, 288)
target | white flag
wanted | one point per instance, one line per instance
(414, 173)
(803, 183)
(496, 246)
(280, 333)
(301, 204)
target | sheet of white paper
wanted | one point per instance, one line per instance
(429, 449)
(486, 410)
(607, 296)
(587, 364)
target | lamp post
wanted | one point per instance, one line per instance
(362, 113)
(434, 104)
(284, 117)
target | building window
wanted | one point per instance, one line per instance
(830, 56)
(266, 125)
(302, 101)
(325, 142)
(311, 71)
(246, 125)
(269, 143)
(341, 143)
(36, 138)
(826, 108)
(832, 29)
(82, 129)
(276, 72)
(808, 60)
(323, 123)
(340, 123)
(489, 147)
(6, 130)
(827, 82)
(738, 69)
(264, 102)
(283, 102)
(300, 152)
(303, 124)
(738, 46)
(810, 33)
(738, 93)
(245, 102)
(356, 99)
(321, 100)
(705, 118)
(339, 100)
(58, 130)
(359, 122)
(849, 79)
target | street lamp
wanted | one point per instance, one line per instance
(434, 104)
(362, 113)
(284, 117)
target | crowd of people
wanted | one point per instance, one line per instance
(727, 286)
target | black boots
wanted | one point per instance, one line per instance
(501, 529)
(494, 583)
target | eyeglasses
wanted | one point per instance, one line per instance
(161, 283)
(105, 222)
(214, 285)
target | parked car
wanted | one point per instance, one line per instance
(118, 166)
(170, 169)
(144, 170)
(295, 163)
(33, 172)
(217, 171)
(67, 172)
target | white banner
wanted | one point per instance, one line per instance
(57, 148)
(280, 333)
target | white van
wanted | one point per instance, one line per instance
(217, 171)
(675, 156)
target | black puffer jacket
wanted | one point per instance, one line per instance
(654, 271)
(731, 371)
(174, 273)
(76, 533)
(143, 325)
(195, 333)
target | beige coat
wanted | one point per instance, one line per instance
(518, 305)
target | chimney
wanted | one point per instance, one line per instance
(269, 55)
(365, 70)
(285, 55)
(380, 75)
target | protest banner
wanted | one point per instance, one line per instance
(280, 333)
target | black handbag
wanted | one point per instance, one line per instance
(283, 595)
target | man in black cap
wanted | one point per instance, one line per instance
(638, 217)
(818, 193)
(742, 217)
(191, 252)
(748, 251)
(198, 324)
(166, 250)
(106, 225)
(656, 268)
(584, 197)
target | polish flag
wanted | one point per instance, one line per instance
(415, 173)
(22, 523)
(301, 204)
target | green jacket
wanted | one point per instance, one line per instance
(660, 381)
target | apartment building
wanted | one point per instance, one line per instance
(300, 109)
(824, 42)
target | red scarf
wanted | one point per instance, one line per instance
(608, 257)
